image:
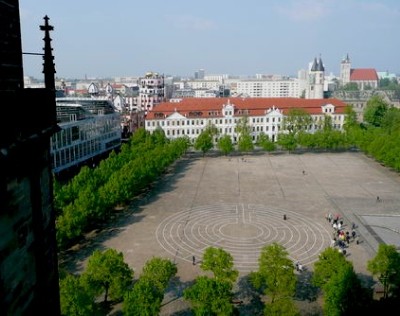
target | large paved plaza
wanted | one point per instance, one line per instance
(239, 203)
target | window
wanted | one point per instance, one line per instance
(75, 133)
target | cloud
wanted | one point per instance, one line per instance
(305, 10)
(188, 22)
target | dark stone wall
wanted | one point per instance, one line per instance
(28, 254)
(11, 73)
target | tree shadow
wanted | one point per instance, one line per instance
(305, 290)
(247, 298)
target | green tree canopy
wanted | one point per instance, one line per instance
(265, 143)
(225, 144)
(386, 266)
(107, 273)
(296, 120)
(245, 142)
(350, 119)
(143, 300)
(391, 120)
(276, 276)
(158, 136)
(210, 296)
(375, 110)
(328, 264)
(204, 142)
(219, 262)
(287, 141)
(343, 293)
(351, 86)
(74, 298)
(159, 271)
(242, 125)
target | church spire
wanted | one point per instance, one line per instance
(48, 65)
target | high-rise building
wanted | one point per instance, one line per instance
(199, 74)
(151, 91)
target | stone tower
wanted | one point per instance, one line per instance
(28, 262)
(345, 69)
(316, 80)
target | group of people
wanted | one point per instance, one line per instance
(341, 238)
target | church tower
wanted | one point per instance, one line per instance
(345, 68)
(316, 80)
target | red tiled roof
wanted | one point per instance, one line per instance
(255, 106)
(363, 74)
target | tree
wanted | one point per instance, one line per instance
(391, 120)
(144, 299)
(386, 266)
(242, 125)
(351, 86)
(148, 292)
(159, 271)
(107, 273)
(350, 119)
(265, 143)
(225, 144)
(245, 142)
(204, 142)
(219, 262)
(287, 141)
(375, 110)
(158, 136)
(210, 296)
(344, 295)
(75, 300)
(276, 276)
(328, 264)
(297, 120)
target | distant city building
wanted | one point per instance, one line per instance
(151, 91)
(267, 88)
(203, 84)
(365, 78)
(386, 75)
(189, 117)
(199, 74)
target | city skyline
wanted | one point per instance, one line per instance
(129, 38)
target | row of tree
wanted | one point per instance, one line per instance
(90, 197)
(212, 294)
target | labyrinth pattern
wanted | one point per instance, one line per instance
(242, 230)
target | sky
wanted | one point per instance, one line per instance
(101, 39)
